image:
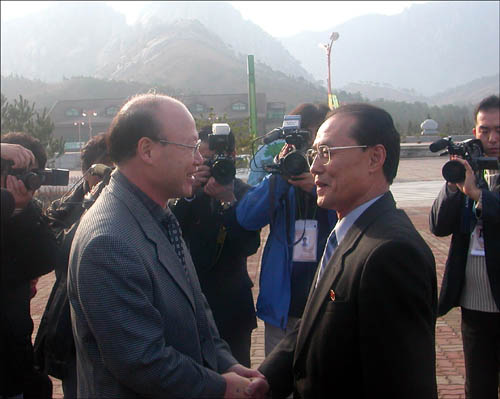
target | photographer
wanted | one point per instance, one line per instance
(219, 247)
(298, 233)
(472, 275)
(54, 344)
(28, 252)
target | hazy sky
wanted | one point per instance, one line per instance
(279, 18)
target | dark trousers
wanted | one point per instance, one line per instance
(239, 342)
(481, 340)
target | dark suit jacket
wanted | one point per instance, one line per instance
(451, 215)
(376, 339)
(140, 328)
(221, 264)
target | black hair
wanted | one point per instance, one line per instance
(29, 142)
(311, 115)
(488, 103)
(374, 126)
(95, 151)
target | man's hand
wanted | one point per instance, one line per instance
(259, 387)
(22, 157)
(305, 182)
(236, 386)
(21, 195)
(201, 176)
(220, 192)
(285, 150)
(468, 186)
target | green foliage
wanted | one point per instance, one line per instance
(21, 116)
(239, 127)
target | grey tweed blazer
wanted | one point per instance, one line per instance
(141, 329)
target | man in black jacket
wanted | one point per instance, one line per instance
(472, 275)
(219, 248)
(54, 344)
(28, 252)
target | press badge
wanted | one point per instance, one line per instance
(306, 233)
(477, 240)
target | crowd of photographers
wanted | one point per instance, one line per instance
(220, 219)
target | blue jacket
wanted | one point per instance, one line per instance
(253, 212)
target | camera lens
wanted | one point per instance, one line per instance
(453, 172)
(32, 181)
(294, 164)
(223, 171)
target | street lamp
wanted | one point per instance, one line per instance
(89, 114)
(332, 100)
(79, 124)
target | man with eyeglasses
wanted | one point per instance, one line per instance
(288, 205)
(141, 324)
(368, 326)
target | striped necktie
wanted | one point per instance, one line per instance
(330, 247)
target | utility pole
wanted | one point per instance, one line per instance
(252, 101)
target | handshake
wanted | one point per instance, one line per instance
(242, 382)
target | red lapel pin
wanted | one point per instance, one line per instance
(332, 295)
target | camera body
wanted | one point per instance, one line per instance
(294, 163)
(471, 150)
(222, 166)
(34, 179)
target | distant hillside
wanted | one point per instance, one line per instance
(429, 47)
(468, 93)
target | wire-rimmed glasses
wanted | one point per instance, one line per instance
(324, 153)
(195, 147)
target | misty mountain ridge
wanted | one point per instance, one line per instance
(428, 47)
(201, 47)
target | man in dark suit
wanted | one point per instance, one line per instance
(368, 326)
(219, 246)
(141, 324)
(472, 275)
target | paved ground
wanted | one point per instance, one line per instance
(412, 196)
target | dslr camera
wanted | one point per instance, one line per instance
(294, 163)
(472, 151)
(222, 166)
(33, 179)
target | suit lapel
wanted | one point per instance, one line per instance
(165, 251)
(335, 267)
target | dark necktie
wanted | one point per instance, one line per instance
(330, 247)
(174, 236)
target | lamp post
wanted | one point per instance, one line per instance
(79, 124)
(90, 114)
(332, 100)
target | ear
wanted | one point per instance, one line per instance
(474, 132)
(377, 157)
(145, 150)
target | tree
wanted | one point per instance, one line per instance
(21, 116)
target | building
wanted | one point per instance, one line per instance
(78, 120)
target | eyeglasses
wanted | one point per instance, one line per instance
(195, 147)
(324, 153)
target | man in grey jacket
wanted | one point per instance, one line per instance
(141, 324)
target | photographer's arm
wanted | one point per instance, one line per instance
(253, 210)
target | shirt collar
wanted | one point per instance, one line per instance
(343, 225)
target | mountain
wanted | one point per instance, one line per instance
(241, 35)
(428, 47)
(64, 40)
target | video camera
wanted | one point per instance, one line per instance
(104, 172)
(471, 150)
(294, 163)
(33, 179)
(222, 166)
